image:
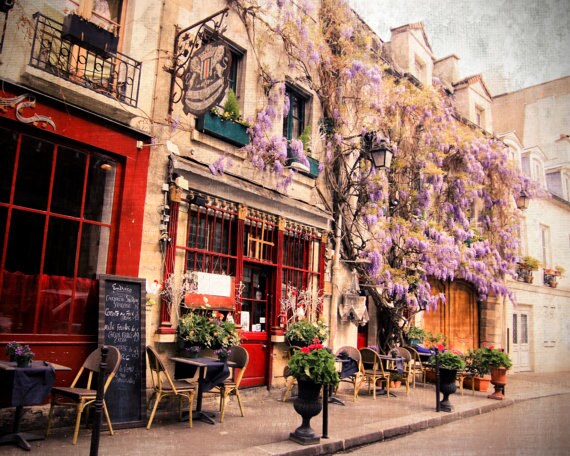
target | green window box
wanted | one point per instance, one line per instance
(226, 130)
(313, 166)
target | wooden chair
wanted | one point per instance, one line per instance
(83, 391)
(373, 370)
(164, 386)
(230, 387)
(407, 367)
(355, 379)
(289, 379)
(416, 365)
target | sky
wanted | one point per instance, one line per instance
(512, 43)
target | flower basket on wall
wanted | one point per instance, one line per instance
(225, 129)
(89, 35)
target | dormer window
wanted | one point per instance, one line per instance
(480, 116)
(420, 69)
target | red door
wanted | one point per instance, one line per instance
(255, 320)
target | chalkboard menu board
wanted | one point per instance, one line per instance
(122, 324)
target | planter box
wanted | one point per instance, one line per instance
(313, 166)
(477, 383)
(89, 35)
(226, 130)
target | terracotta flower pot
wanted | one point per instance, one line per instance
(499, 380)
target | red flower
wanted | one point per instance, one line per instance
(316, 340)
(440, 347)
(306, 350)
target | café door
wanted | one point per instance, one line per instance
(256, 305)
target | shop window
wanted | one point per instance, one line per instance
(260, 240)
(211, 240)
(55, 231)
(301, 274)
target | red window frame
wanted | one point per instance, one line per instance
(45, 309)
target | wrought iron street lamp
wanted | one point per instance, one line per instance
(378, 151)
(381, 154)
(523, 200)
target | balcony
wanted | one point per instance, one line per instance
(82, 62)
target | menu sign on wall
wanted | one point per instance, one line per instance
(122, 324)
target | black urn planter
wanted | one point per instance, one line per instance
(307, 404)
(447, 386)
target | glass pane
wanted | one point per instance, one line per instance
(524, 329)
(8, 141)
(61, 247)
(56, 293)
(68, 182)
(93, 250)
(17, 306)
(85, 306)
(100, 190)
(3, 217)
(34, 172)
(515, 329)
(25, 242)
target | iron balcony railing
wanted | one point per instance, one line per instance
(110, 73)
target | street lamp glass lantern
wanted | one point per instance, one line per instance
(381, 155)
(523, 201)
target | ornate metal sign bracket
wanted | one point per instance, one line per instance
(200, 84)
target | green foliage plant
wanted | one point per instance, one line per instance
(302, 333)
(315, 362)
(475, 362)
(231, 106)
(416, 333)
(202, 329)
(449, 360)
(495, 357)
(305, 137)
(530, 263)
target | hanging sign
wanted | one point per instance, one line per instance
(206, 78)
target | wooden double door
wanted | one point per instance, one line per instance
(457, 318)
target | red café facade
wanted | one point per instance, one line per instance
(72, 195)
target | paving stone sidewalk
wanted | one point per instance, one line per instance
(265, 428)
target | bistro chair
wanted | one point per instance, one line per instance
(406, 367)
(83, 391)
(164, 386)
(289, 379)
(373, 370)
(356, 378)
(240, 357)
(416, 366)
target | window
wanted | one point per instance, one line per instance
(56, 225)
(545, 246)
(480, 116)
(419, 69)
(211, 240)
(105, 13)
(550, 325)
(301, 269)
(294, 121)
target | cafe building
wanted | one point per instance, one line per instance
(73, 178)
(247, 246)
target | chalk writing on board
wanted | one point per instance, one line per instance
(123, 327)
